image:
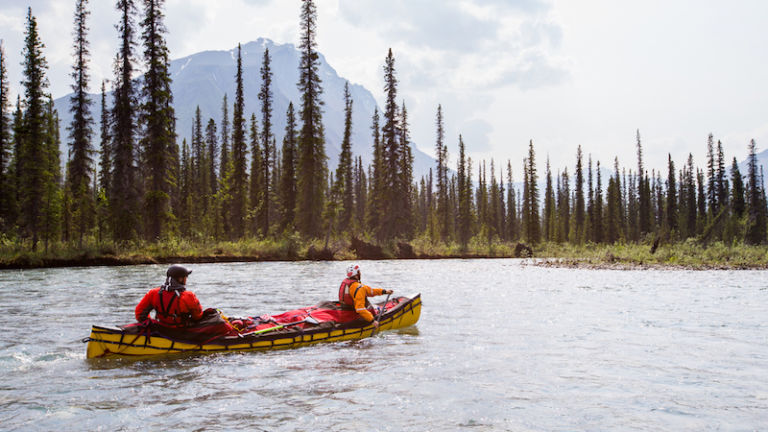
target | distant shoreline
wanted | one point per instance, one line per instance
(676, 256)
(586, 264)
(113, 261)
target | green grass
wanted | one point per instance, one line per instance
(688, 254)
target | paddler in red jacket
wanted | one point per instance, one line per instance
(174, 306)
(353, 293)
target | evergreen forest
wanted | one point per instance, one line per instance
(130, 182)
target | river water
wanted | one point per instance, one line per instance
(501, 345)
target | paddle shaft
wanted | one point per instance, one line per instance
(381, 312)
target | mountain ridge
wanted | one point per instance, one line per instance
(202, 79)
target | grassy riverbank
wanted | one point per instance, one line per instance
(689, 255)
(619, 256)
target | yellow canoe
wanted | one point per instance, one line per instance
(114, 342)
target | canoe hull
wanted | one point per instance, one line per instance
(112, 342)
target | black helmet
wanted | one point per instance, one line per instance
(177, 272)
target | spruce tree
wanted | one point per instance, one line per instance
(224, 156)
(267, 158)
(239, 177)
(564, 208)
(257, 191)
(374, 208)
(80, 168)
(343, 193)
(51, 194)
(511, 226)
(690, 189)
(532, 198)
(613, 210)
(598, 229)
(659, 201)
(6, 187)
(701, 201)
(442, 191)
(15, 167)
(184, 212)
(105, 155)
(105, 168)
(481, 198)
(633, 208)
(405, 177)
(712, 195)
(756, 213)
(212, 146)
(464, 213)
(578, 203)
(223, 198)
(737, 191)
(390, 156)
(549, 207)
(157, 119)
(360, 196)
(671, 204)
(589, 228)
(288, 174)
(643, 192)
(311, 174)
(33, 174)
(124, 197)
(721, 177)
(494, 206)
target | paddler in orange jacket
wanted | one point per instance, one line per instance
(174, 306)
(353, 293)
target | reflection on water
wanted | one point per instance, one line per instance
(500, 346)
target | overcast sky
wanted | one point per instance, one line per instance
(560, 72)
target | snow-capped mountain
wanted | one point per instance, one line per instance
(203, 78)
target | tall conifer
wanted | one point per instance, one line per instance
(643, 192)
(311, 168)
(124, 197)
(671, 204)
(578, 202)
(712, 203)
(465, 207)
(549, 207)
(239, 179)
(598, 228)
(393, 152)
(564, 208)
(405, 176)
(442, 190)
(267, 158)
(531, 215)
(34, 175)
(6, 187)
(157, 119)
(51, 194)
(737, 190)
(721, 177)
(257, 191)
(343, 193)
(288, 174)
(375, 178)
(80, 168)
(756, 217)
